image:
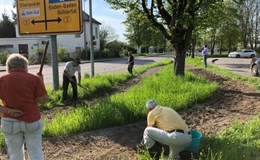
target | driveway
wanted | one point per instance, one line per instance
(240, 66)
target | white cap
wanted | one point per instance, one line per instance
(151, 104)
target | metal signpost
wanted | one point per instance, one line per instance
(50, 17)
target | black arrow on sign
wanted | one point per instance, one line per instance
(47, 20)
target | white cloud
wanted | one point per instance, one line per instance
(6, 8)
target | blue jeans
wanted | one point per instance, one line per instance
(17, 133)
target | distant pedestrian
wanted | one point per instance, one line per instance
(205, 52)
(22, 124)
(130, 63)
(70, 69)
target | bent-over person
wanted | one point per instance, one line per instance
(165, 126)
(70, 69)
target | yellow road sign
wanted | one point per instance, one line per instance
(49, 16)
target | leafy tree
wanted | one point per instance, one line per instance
(109, 45)
(7, 29)
(107, 35)
(212, 19)
(141, 33)
(135, 28)
(248, 18)
(174, 18)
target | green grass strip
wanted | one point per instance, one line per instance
(123, 108)
(252, 81)
(98, 85)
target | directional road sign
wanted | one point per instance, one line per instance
(49, 16)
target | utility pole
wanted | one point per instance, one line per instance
(91, 39)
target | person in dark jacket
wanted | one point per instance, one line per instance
(130, 63)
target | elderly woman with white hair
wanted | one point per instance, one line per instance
(165, 126)
(21, 92)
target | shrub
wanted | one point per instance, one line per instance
(85, 54)
(62, 51)
(4, 56)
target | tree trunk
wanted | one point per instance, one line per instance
(256, 26)
(193, 47)
(179, 63)
(221, 45)
(213, 41)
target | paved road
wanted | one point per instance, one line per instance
(238, 65)
(100, 67)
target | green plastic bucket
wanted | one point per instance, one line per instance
(195, 144)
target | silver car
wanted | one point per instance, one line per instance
(245, 53)
(255, 66)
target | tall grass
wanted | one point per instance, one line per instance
(176, 92)
(98, 85)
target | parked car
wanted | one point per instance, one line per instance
(255, 66)
(245, 53)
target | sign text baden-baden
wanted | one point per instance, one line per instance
(49, 16)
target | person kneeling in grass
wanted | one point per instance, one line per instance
(165, 126)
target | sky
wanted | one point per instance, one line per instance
(101, 11)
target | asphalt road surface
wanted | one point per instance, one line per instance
(100, 67)
(240, 66)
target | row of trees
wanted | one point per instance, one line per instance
(231, 25)
(187, 23)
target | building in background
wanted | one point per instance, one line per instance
(74, 43)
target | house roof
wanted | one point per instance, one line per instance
(85, 17)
